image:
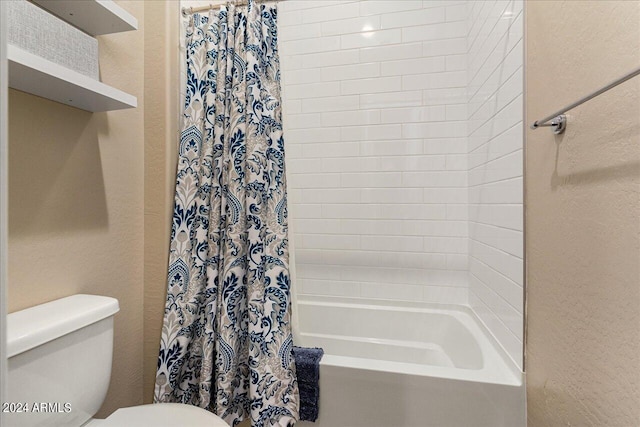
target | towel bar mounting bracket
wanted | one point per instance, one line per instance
(559, 124)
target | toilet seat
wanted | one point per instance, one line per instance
(160, 415)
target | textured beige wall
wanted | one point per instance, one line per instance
(76, 204)
(583, 216)
(161, 141)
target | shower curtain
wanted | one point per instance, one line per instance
(226, 340)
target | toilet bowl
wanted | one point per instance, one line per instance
(59, 357)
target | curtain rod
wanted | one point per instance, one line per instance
(190, 10)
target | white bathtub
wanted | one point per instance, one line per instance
(390, 366)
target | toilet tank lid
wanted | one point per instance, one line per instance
(34, 326)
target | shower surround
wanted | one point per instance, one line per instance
(403, 139)
(403, 133)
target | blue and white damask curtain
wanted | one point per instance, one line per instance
(226, 340)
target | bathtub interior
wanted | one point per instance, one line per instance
(446, 341)
(408, 365)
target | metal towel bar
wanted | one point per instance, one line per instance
(558, 120)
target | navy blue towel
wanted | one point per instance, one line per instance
(308, 372)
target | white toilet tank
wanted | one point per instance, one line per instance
(59, 361)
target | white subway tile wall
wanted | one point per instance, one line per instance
(375, 115)
(495, 120)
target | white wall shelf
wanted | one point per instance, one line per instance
(33, 74)
(95, 17)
